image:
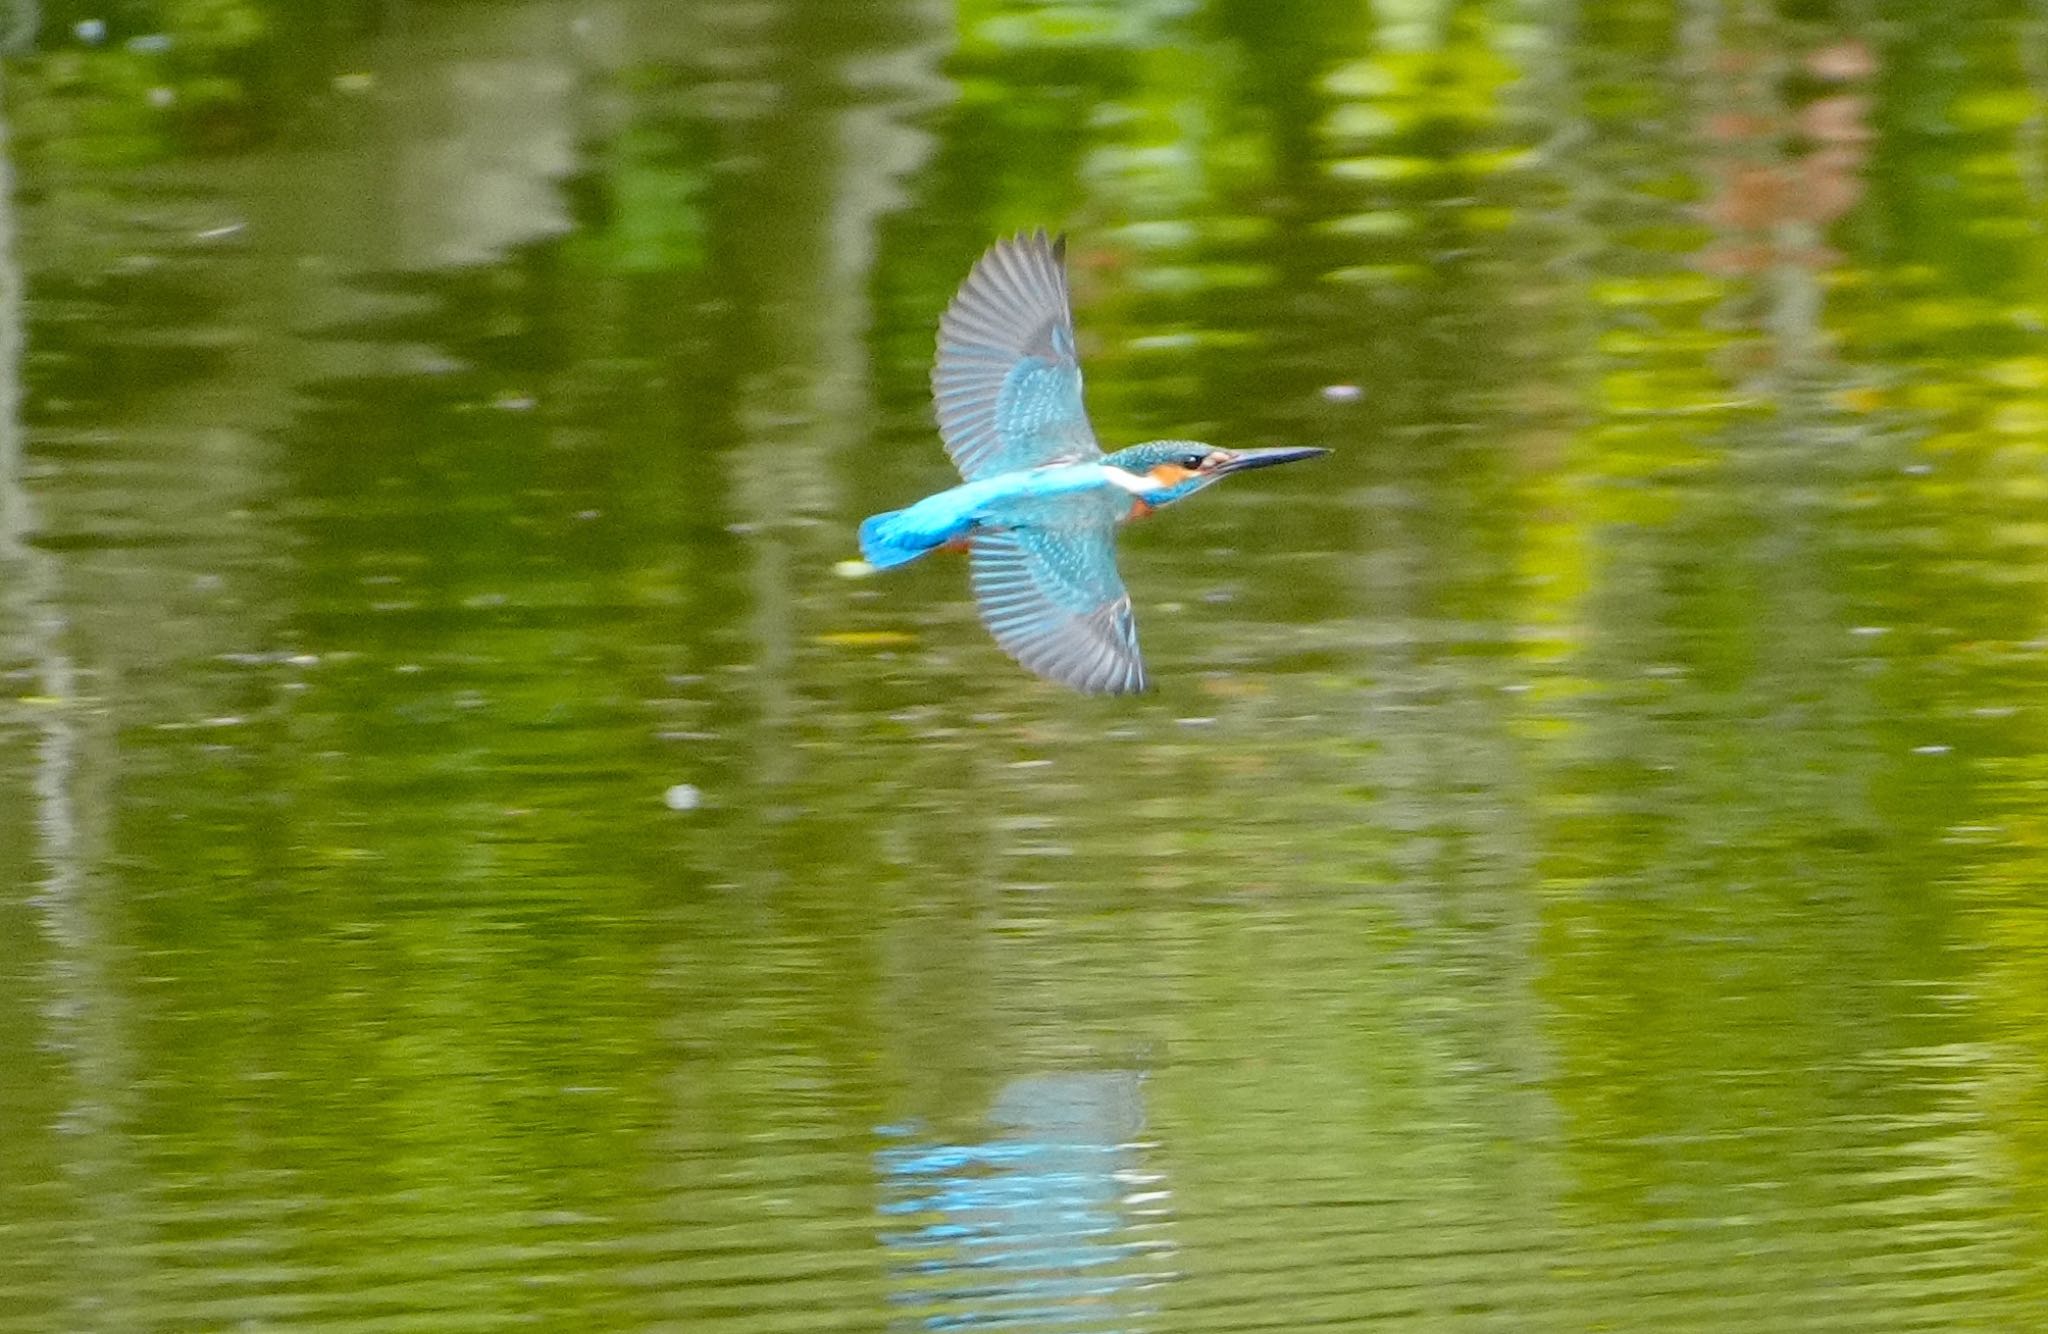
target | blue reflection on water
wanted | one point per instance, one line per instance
(1053, 1220)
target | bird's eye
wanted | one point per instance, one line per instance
(1192, 462)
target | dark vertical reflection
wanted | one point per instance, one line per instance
(76, 1041)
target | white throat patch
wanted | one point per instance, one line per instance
(1131, 482)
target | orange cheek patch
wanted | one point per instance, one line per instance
(1170, 474)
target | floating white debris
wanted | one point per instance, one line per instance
(1930, 750)
(853, 569)
(1342, 393)
(682, 797)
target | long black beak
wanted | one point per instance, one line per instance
(1245, 459)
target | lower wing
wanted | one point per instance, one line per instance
(1050, 594)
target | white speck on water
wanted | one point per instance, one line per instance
(90, 30)
(853, 569)
(682, 797)
(216, 233)
(1342, 393)
(1870, 631)
(161, 97)
(304, 660)
(1196, 722)
(1930, 750)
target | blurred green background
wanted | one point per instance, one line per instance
(1585, 865)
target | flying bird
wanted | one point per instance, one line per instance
(1039, 507)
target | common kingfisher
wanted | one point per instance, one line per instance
(1040, 506)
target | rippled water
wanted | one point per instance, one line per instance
(1581, 869)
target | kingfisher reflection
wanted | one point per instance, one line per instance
(1053, 1221)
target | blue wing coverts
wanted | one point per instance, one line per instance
(1006, 382)
(1049, 592)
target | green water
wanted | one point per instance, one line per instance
(1584, 865)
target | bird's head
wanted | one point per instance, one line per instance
(1175, 469)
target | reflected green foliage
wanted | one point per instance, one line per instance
(125, 84)
(1581, 869)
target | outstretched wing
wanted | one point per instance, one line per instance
(1006, 382)
(1050, 594)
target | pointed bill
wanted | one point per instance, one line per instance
(1247, 459)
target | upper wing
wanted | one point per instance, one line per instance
(1050, 594)
(1006, 383)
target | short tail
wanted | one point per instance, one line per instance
(885, 543)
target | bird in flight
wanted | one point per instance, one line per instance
(1041, 503)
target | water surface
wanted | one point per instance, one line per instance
(1581, 867)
